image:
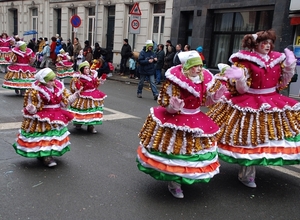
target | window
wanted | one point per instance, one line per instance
(230, 28)
(91, 25)
(13, 21)
(158, 23)
(57, 21)
(34, 17)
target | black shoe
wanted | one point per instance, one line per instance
(155, 97)
(139, 95)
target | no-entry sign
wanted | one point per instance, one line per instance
(75, 21)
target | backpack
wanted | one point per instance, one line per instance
(110, 66)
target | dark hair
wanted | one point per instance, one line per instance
(251, 43)
(53, 38)
(168, 41)
(188, 46)
(126, 40)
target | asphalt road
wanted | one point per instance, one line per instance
(99, 179)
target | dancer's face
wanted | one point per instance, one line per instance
(50, 83)
(195, 71)
(264, 47)
(86, 70)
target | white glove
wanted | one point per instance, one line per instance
(234, 73)
(73, 97)
(290, 57)
(31, 108)
(176, 104)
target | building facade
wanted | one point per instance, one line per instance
(104, 21)
(219, 25)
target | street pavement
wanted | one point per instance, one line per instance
(99, 179)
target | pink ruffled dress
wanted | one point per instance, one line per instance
(258, 126)
(88, 107)
(45, 133)
(181, 146)
(5, 51)
(20, 74)
(64, 66)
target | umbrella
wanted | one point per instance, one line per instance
(31, 32)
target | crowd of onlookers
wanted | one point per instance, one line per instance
(47, 52)
(167, 56)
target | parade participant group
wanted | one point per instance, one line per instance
(249, 122)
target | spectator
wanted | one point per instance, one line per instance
(176, 60)
(98, 51)
(86, 48)
(187, 47)
(76, 49)
(132, 67)
(52, 49)
(146, 59)
(160, 54)
(41, 44)
(89, 55)
(104, 68)
(125, 54)
(46, 55)
(63, 44)
(70, 48)
(170, 53)
(58, 47)
(31, 45)
(200, 50)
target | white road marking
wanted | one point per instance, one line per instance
(109, 117)
(287, 171)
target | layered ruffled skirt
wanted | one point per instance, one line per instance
(178, 147)
(88, 108)
(258, 129)
(64, 70)
(44, 134)
(19, 76)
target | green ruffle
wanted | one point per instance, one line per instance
(167, 177)
(41, 153)
(293, 139)
(263, 161)
(22, 80)
(51, 133)
(193, 158)
(90, 110)
(87, 123)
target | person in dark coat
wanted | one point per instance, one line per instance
(160, 54)
(147, 59)
(98, 51)
(70, 48)
(170, 53)
(125, 54)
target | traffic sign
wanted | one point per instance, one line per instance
(135, 9)
(75, 21)
(135, 24)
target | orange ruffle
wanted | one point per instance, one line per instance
(260, 150)
(177, 169)
(14, 84)
(43, 143)
(87, 116)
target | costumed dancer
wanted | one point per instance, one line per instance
(258, 125)
(88, 107)
(63, 65)
(44, 131)
(20, 74)
(177, 140)
(5, 51)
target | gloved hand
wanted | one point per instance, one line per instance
(220, 92)
(103, 78)
(290, 57)
(234, 73)
(31, 108)
(176, 103)
(73, 97)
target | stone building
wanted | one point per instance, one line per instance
(104, 21)
(219, 25)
